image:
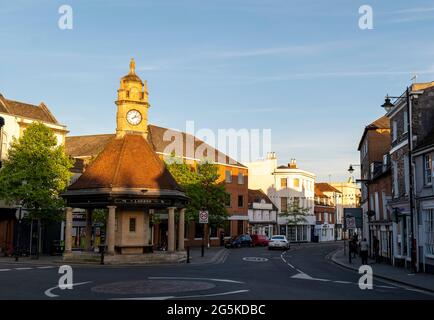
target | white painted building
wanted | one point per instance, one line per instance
(286, 185)
(17, 116)
(262, 214)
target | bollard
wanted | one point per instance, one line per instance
(203, 250)
(101, 249)
(188, 254)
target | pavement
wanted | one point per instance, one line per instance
(211, 255)
(422, 281)
(305, 272)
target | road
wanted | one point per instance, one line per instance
(304, 272)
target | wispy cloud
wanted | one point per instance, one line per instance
(412, 10)
(289, 50)
(336, 74)
(254, 110)
(411, 14)
(411, 19)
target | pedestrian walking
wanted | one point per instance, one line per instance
(364, 251)
(376, 245)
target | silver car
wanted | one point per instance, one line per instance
(278, 242)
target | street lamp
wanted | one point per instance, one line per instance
(351, 168)
(19, 216)
(388, 106)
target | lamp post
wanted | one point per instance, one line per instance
(388, 106)
(19, 216)
(366, 182)
(2, 123)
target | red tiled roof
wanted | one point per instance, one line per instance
(127, 162)
(27, 110)
(90, 146)
(87, 146)
(322, 187)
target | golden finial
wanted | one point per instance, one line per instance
(132, 66)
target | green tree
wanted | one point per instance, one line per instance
(295, 213)
(201, 186)
(35, 173)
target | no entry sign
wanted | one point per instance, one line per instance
(203, 216)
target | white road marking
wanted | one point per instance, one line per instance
(184, 297)
(187, 278)
(303, 276)
(46, 267)
(387, 287)
(24, 268)
(146, 298)
(300, 271)
(5, 269)
(255, 259)
(344, 282)
(52, 295)
(291, 265)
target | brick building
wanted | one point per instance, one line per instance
(327, 201)
(374, 150)
(421, 122)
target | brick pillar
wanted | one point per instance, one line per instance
(181, 228)
(111, 230)
(171, 230)
(68, 230)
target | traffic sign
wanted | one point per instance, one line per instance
(203, 216)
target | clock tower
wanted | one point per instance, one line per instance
(132, 103)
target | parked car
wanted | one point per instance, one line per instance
(260, 240)
(243, 240)
(278, 242)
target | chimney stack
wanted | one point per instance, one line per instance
(292, 164)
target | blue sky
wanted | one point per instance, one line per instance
(302, 68)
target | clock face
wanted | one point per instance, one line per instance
(134, 117)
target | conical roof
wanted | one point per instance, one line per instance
(127, 162)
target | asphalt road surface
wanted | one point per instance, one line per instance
(304, 272)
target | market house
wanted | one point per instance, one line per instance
(129, 180)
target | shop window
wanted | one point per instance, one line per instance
(429, 232)
(213, 232)
(198, 230)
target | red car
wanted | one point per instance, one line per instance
(260, 240)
